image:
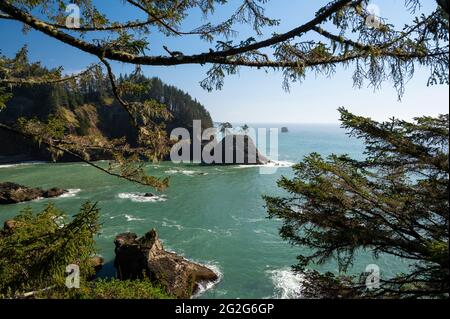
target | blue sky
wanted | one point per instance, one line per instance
(254, 96)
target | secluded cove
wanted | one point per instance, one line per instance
(211, 215)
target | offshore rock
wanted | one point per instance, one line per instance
(11, 193)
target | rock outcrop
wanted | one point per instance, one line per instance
(145, 256)
(97, 262)
(11, 193)
(236, 150)
(9, 226)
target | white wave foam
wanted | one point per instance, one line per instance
(184, 172)
(227, 233)
(248, 220)
(21, 164)
(287, 284)
(141, 198)
(8, 165)
(259, 231)
(70, 193)
(132, 218)
(272, 164)
(281, 164)
(172, 225)
(204, 286)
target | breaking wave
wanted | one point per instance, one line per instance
(184, 172)
(70, 193)
(271, 164)
(21, 164)
(205, 286)
(141, 198)
(131, 218)
(287, 284)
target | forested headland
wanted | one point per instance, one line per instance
(87, 106)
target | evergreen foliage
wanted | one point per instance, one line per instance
(36, 249)
(109, 289)
(43, 101)
(341, 33)
(394, 202)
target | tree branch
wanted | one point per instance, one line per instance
(79, 157)
(43, 80)
(210, 57)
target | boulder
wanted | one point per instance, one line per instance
(54, 192)
(97, 262)
(9, 225)
(11, 193)
(139, 257)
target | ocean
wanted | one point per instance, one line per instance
(212, 215)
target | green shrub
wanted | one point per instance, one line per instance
(36, 250)
(114, 289)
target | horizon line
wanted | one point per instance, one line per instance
(280, 123)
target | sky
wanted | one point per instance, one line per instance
(254, 96)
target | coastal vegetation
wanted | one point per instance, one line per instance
(394, 202)
(36, 248)
(377, 52)
(86, 107)
(111, 289)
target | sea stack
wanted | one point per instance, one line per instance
(145, 256)
(284, 130)
(236, 150)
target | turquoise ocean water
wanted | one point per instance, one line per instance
(212, 215)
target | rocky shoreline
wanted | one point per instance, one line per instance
(12, 193)
(137, 258)
(145, 257)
